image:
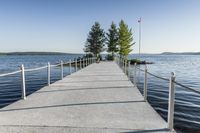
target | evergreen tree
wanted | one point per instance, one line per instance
(95, 41)
(112, 39)
(125, 39)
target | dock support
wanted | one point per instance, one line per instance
(70, 65)
(23, 82)
(145, 84)
(171, 102)
(48, 74)
(61, 69)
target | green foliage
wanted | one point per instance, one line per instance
(125, 39)
(137, 61)
(95, 41)
(89, 55)
(109, 57)
(133, 61)
(112, 39)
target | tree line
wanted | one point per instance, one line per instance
(117, 40)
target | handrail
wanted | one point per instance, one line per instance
(35, 69)
(182, 85)
(83, 63)
(11, 73)
(55, 65)
(159, 77)
(172, 82)
(189, 88)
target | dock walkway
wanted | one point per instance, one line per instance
(98, 98)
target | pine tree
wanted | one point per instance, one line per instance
(95, 41)
(125, 39)
(112, 39)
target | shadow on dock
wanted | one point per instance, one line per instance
(79, 89)
(69, 105)
(149, 131)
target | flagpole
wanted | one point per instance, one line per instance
(139, 36)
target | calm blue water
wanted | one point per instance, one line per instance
(186, 68)
(10, 86)
(187, 104)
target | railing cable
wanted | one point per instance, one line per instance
(177, 83)
(35, 69)
(189, 88)
(11, 73)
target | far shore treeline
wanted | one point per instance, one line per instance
(37, 53)
(117, 40)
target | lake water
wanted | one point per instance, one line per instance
(187, 103)
(186, 68)
(10, 86)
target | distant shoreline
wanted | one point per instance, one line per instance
(39, 53)
(61, 53)
(181, 53)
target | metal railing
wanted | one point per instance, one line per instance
(172, 82)
(82, 63)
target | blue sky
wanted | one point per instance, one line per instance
(63, 25)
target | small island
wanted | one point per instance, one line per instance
(138, 61)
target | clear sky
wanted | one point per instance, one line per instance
(63, 25)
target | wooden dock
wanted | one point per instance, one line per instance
(97, 99)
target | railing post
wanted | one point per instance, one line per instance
(125, 64)
(92, 60)
(145, 84)
(135, 72)
(70, 65)
(129, 66)
(76, 65)
(61, 69)
(80, 63)
(118, 61)
(48, 74)
(23, 82)
(83, 62)
(122, 62)
(171, 102)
